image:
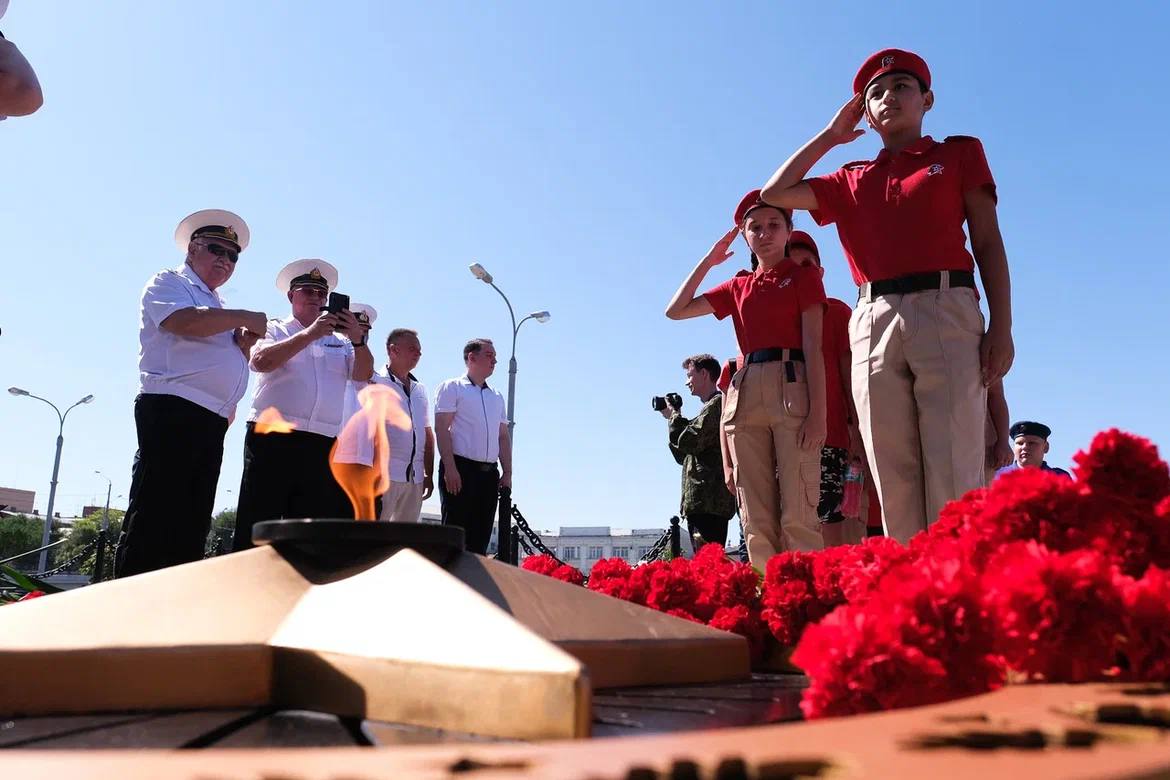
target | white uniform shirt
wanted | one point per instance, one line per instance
(479, 412)
(310, 388)
(210, 371)
(406, 447)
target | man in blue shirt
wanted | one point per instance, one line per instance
(1030, 445)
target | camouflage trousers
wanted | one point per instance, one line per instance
(834, 462)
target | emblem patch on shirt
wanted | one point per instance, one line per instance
(936, 168)
(785, 282)
(887, 60)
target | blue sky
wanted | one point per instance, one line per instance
(586, 154)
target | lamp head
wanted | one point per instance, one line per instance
(86, 400)
(479, 272)
(17, 391)
(540, 316)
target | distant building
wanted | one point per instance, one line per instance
(583, 546)
(15, 500)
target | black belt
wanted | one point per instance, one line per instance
(772, 354)
(476, 464)
(931, 280)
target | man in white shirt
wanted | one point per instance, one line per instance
(412, 450)
(471, 428)
(304, 369)
(193, 370)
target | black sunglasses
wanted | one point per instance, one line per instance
(222, 251)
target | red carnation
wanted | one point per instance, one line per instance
(922, 637)
(541, 564)
(857, 662)
(1146, 641)
(550, 567)
(32, 594)
(673, 587)
(611, 576)
(1123, 466)
(789, 598)
(1059, 614)
(722, 582)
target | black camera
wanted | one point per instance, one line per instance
(673, 400)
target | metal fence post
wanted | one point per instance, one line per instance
(504, 534)
(514, 550)
(675, 538)
(99, 560)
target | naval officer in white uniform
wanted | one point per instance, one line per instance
(193, 370)
(305, 363)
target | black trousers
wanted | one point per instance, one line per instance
(172, 484)
(474, 508)
(286, 475)
(706, 529)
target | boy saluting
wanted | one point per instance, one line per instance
(921, 357)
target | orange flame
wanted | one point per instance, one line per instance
(360, 458)
(270, 421)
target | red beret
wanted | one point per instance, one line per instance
(891, 61)
(752, 201)
(800, 238)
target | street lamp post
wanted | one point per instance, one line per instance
(479, 272)
(44, 559)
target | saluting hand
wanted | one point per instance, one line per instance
(843, 129)
(996, 354)
(720, 251)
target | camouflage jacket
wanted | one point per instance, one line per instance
(695, 445)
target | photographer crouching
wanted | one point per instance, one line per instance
(707, 505)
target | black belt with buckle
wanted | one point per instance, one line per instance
(772, 354)
(931, 280)
(476, 464)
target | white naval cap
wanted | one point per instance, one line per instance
(213, 223)
(366, 309)
(310, 272)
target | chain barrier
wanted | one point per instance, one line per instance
(655, 552)
(528, 549)
(529, 539)
(76, 560)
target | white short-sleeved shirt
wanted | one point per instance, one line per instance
(210, 371)
(479, 412)
(310, 388)
(406, 447)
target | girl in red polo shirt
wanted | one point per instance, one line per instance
(921, 355)
(774, 412)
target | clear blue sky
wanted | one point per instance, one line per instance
(587, 154)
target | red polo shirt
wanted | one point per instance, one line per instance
(836, 344)
(766, 305)
(903, 213)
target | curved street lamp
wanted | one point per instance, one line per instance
(479, 272)
(44, 559)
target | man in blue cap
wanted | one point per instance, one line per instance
(1030, 445)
